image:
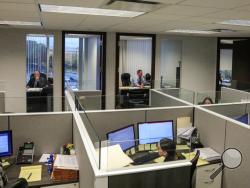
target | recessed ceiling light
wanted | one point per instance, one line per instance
(191, 31)
(236, 22)
(20, 23)
(89, 11)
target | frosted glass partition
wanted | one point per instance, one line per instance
(183, 94)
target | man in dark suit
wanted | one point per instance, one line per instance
(36, 81)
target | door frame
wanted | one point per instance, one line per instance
(102, 62)
(118, 35)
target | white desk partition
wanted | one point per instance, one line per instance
(2, 101)
(211, 127)
(230, 110)
(237, 136)
(229, 95)
(3, 123)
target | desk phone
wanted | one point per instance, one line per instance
(26, 153)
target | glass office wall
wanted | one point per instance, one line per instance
(39, 55)
(171, 57)
(82, 61)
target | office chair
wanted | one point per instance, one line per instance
(19, 183)
(148, 79)
(193, 169)
(125, 77)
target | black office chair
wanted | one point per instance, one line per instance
(125, 77)
(193, 168)
(19, 183)
(148, 79)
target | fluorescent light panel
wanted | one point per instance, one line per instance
(20, 23)
(236, 22)
(191, 31)
(89, 11)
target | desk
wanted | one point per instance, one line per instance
(14, 170)
(39, 99)
(133, 97)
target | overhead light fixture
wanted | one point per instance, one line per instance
(89, 11)
(236, 22)
(188, 31)
(20, 23)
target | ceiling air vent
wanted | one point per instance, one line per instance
(133, 5)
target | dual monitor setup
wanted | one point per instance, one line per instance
(148, 133)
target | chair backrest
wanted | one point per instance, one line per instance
(19, 183)
(193, 167)
(125, 77)
(148, 77)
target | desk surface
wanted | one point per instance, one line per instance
(14, 170)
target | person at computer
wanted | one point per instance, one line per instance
(36, 81)
(139, 81)
(207, 100)
(167, 149)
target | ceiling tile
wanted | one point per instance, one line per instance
(17, 1)
(83, 3)
(185, 10)
(18, 7)
(19, 15)
(224, 4)
(230, 14)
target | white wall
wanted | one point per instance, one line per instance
(13, 66)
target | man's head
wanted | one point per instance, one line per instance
(37, 75)
(139, 73)
(166, 147)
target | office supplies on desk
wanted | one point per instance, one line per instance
(209, 154)
(66, 162)
(26, 153)
(187, 133)
(31, 173)
(44, 158)
(148, 156)
(191, 155)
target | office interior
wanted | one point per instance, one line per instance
(189, 52)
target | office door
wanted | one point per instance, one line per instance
(84, 61)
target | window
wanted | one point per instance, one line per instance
(82, 61)
(39, 55)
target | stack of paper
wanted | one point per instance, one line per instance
(31, 173)
(209, 154)
(113, 157)
(66, 162)
(190, 156)
(65, 168)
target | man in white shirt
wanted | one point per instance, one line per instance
(139, 81)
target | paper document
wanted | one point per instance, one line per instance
(159, 160)
(182, 147)
(113, 157)
(31, 173)
(208, 154)
(68, 162)
(184, 122)
(190, 156)
(44, 158)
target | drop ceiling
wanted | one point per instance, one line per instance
(173, 14)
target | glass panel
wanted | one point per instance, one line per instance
(226, 61)
(82, 61)
(135, 54)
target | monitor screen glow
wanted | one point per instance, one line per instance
(124, 137)
(153, 132)
(5, 143)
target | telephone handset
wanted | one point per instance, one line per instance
(25, 153)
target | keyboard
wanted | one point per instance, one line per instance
(146, 157)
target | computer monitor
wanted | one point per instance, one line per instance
(243, 119)
(125, 137)
(153, 132)
(6, 148)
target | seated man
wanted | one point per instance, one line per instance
(36, 81)
(167, 149)
(139, 81)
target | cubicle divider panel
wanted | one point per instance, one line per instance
(168, 178)
(211, 128)
(248, 107)
(2, 102)
(3, 123)
(159, 99)
(106, 121)
(169, 114)
(86, 173)
(237, 136)
(229, 95)
(48, 131)
(229, 110)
